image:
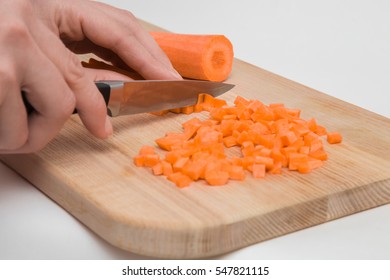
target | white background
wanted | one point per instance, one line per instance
(341, 48)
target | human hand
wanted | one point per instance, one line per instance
(38, 42)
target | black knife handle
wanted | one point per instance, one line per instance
(104, 89)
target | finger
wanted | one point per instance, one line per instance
(101, 74)
(144, 38)
(51, 98)
(89, 102)
(120, 32)
(13, 116)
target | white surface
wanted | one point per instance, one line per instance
(341, 48)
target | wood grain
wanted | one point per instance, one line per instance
(97, 183)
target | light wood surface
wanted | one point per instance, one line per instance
(97, 182)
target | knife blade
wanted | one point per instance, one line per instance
(141, 96)
(134, 97)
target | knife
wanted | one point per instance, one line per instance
(140, 96)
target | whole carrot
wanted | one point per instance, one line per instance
(203, 57)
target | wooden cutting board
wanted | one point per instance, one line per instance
(97, 183)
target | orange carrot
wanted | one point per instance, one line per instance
(334, 138)
(181, 180)
(203, 57)
(258, 170)
(269, 138)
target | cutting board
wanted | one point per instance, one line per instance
(97, 182)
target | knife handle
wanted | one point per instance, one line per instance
(104, 89)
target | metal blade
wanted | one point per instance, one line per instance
(142, 96)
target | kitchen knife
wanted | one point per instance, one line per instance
(140, 96)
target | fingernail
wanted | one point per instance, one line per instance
(108, 127)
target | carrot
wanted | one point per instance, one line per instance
(203, 57)
(258, 170)
(269, 139)
(334, 138)
(181, 180)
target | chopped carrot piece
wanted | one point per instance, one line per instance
(167, 168)
(151, 160)
(258, 170)
(288, 138)
(181, 180)
(229, 141)
(176, 110)
(139, 160)
(217, 178)
(276, 169)
(187, 110)
(296, 160)
(334, 138)
(158, 169)
(269, 139)
(319, 154)
(179, 164)
(147, 150)
(167, 142)
(237, 173)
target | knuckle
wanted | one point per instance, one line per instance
(7, 76)
(7, 80)
(68, 103)
(129, 16)
(16, 32)
(74, 72)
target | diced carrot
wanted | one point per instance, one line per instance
(195, 169)
(151, 160)
(160, 113)
(181, 180)
(139, 160)
(241, 100)
(187, 110)
(237, 173)
(267, 140)
(217, 178)
(179, 164)
(334, 138)
(288, 138)
(173, 156)
(276, 169)
(147, 150)
(270, 138)
(316, 145)
(176, 110)
(267, 161)
(167, 168)
(296, 160)
(304, 150)
(321, 131)
(312, 124)
(309, 138)
(258, 170)
(204, 57)
(158, 169)
(167, 142)
(247, 162)
(319, 154)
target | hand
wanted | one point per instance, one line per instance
(38, 42)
